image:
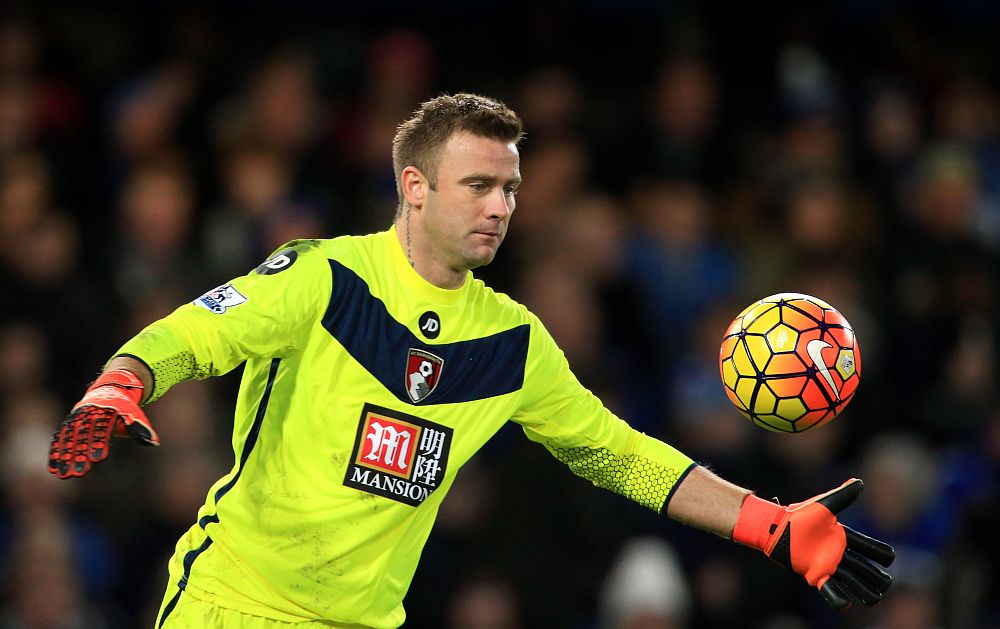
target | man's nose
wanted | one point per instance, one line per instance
(501, 205)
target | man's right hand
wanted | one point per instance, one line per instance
(807, 538)
(109, 407)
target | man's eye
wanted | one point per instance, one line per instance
(510, 191)
(478, 187)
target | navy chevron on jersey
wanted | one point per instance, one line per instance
(365, 390)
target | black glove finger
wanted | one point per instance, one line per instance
(838, 499)
(65, 448)
(140, 433)
(856, 586)
(102, 421)
(865, 571)
(834, 595)
(870, 547)
(56, 449)
(77, 444)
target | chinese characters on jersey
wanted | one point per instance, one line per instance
(398, 456)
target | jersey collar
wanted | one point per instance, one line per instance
(415, 283)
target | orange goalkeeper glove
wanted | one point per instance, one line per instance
(109, 407)
(807, 538)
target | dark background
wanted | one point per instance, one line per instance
(682, 160)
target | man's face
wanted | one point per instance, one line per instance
(465, 219)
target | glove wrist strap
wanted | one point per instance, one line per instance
(755, 522)
(123, 379)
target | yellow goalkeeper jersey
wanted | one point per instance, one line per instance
(365, 390)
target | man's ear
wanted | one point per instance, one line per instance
(414, 185)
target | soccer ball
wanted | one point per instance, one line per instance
(790, 362)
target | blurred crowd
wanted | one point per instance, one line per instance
(679, 164)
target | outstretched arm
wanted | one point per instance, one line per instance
(266, 313)
(573, 424)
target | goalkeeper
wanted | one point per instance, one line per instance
(375, 367)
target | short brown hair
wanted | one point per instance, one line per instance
(419, 139)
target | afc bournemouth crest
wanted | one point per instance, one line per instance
(423, 371)
(398, 456)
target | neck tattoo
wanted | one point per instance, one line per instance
(409, 249)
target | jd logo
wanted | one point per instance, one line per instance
(278, 262)
(430, 324)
